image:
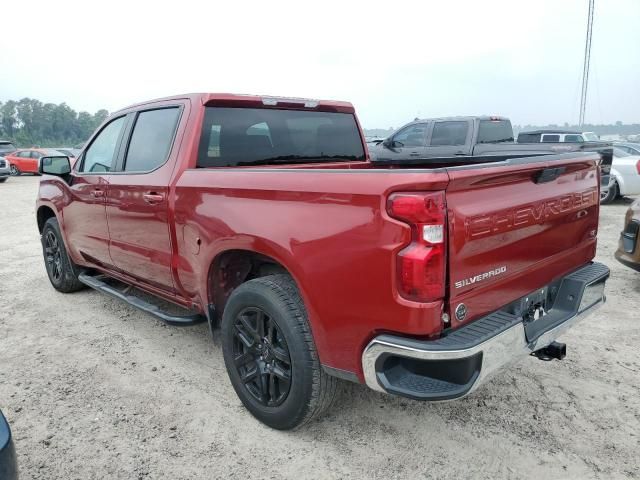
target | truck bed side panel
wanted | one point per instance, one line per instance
(328, 228)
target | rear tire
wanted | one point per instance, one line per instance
(3, 179)
(270, 354)
(62, 272)
(610, 195)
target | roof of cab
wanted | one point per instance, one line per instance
(462, 117)
(254, 101)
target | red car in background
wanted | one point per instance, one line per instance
(27, 160)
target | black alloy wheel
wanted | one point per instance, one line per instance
(62, 272)
(262, 357)
(53, 255)
(270, 353)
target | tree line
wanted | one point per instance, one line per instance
(32, 123)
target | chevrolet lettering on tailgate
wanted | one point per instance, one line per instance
(515, 218)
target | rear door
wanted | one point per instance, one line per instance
(515, 228)
(138, 198)
(449, 138)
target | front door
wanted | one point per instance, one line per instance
(138, 200)
(85, 219)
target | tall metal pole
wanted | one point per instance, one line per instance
(587, 59)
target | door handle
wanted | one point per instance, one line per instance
(97, 193)
(460, 152)
(414, 154)
(152, 197)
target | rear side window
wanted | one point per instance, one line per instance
(495, 131)
(151, 139)
(262, 136)
(449, 133)
(550, 138)
(101, 154)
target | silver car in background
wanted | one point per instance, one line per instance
(5, 170)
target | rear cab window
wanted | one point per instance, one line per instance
(495, 131)
(266, 136)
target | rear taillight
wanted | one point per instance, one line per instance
(638, 166)
(421, 265)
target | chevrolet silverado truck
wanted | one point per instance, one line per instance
(265, 217)
(478, 138)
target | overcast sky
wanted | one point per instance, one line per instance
(393, 60)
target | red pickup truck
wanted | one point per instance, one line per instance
(265, 217)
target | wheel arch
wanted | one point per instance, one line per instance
(232, 267)
(43, 214)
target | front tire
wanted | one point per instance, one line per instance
(14, 171)
(270, 354)
(3, 179)
(62, 272)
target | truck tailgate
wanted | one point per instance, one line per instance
(514, 228)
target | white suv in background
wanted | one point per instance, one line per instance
(557, 136)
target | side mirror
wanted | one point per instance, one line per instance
(390, 143)
(59, 166)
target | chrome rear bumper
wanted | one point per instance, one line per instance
(454, 366)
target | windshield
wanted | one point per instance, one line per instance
(495, 131)
(261, 136)
(590, 137)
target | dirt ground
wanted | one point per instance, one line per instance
(96, 389)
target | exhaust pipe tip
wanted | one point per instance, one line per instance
(555, 350)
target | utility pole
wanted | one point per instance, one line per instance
(587, 59)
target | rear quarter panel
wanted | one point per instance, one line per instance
(328, 228)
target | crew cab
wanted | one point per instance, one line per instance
(265, 217)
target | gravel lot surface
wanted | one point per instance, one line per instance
(96, 389)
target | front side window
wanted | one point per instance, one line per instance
(449, 133)
(412, 136)
(151, 139)
(267, 136)
(101, 154)
(24, 154)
